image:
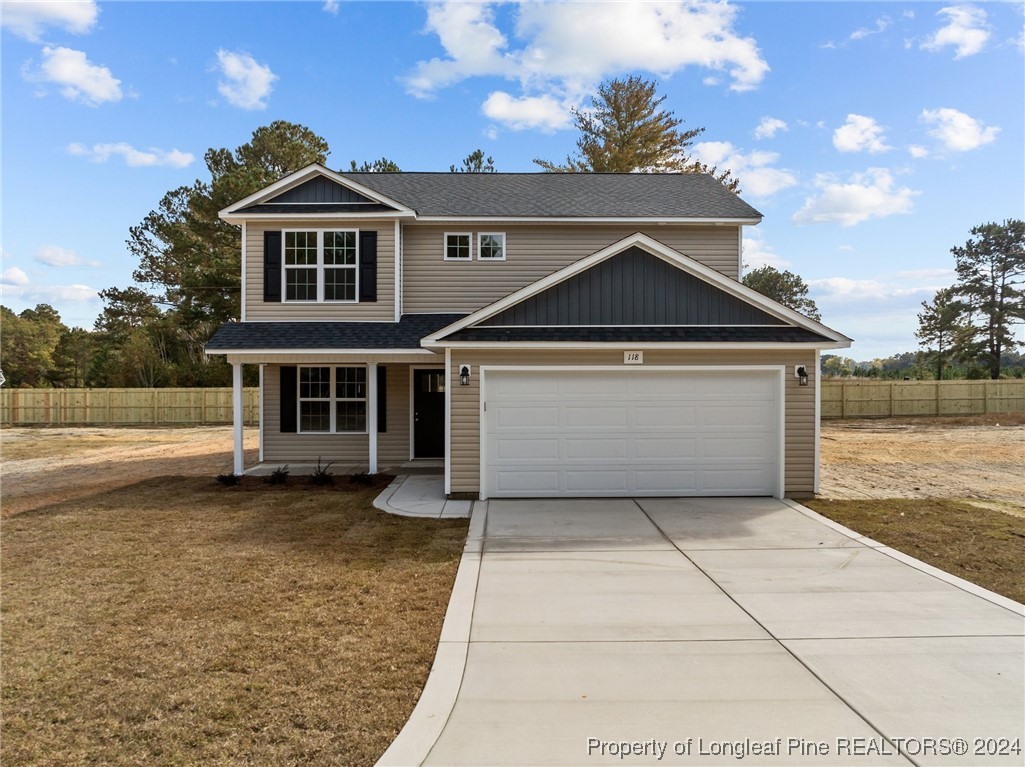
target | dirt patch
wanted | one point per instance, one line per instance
(43, 466)
(980, 459)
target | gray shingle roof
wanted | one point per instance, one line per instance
(311, 336)
(640, 334)
(622, 195)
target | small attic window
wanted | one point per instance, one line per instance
(491, 246)
(457, 246)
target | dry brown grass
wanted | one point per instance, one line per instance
(177, 622)
(984, 546)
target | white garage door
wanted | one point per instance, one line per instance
(631, 432)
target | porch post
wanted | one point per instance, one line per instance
(372, 413)
(237, 414)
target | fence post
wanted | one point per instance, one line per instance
(843, 400)
(892, 384)
(154, 393)
(985, 397)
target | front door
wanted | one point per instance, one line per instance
(429, 413)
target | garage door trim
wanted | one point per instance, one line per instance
(779, 370)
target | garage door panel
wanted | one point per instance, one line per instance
(666, 416)
(524, 417)
(665, 448)
(631, 432)
(735, 481)
(600, 482)
(597, 449)
(526, 448)
(670, 481)
(535, 482)
(596, 418)
(738, 416)
(731, 449)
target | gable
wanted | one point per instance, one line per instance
(320, 190)
(632, 287)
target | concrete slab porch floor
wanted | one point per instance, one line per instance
(711, 631)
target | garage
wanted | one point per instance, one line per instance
(631, 432)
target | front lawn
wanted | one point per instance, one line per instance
(984, 546)
(178, 622)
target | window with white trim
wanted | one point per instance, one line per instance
(333, 399)
(491, 246)
(457, 246)
(320, 265)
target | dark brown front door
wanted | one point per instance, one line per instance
(429, 413)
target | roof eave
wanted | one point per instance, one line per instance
(645, 345)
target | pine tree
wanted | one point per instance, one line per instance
(940, 327)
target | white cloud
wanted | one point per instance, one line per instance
(860, 134)
(51, 294)
(917, 151)
(29, 18)
(882, 24)
(77, 77)
(134, 158)
(13, 276)
(245, 82)
(562, 50)
(885, 287)
(53, 255)
(966, 31)
(769, 127)
(957, 131)
(758, 253)
(541, 112)
(330, 6)
(872, 194)
(757, 176)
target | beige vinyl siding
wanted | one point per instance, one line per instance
(381, 310)
(346, 451)
(799, 416)
(533, 251)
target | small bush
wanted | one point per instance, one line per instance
(229, 480)
(361, 478)
(321, 475)
(278, 477)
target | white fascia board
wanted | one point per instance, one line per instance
(294, 179)
(589, 220)
(664, 252)
(397, 352)
(646, 345)
(238, 218)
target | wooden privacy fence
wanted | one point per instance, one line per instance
(123, 407)
(883, 399)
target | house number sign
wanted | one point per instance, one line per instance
(633, 358)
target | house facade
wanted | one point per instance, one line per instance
(538, 334)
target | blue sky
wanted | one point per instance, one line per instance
(872, 136)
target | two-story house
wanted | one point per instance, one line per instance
(541, 334)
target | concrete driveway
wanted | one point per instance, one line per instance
(711, 631)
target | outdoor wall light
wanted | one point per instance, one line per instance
(801, 373)
(464, 375)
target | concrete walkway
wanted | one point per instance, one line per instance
(710, 631)
(416, 495)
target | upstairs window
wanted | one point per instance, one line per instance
(320, 265)
(491, 246)
(457, 246)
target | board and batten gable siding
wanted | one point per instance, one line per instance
(344, 450)
(799, 409)
(382, 310)
(431, 284)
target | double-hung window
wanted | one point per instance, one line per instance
(333, 399)
(320, 265)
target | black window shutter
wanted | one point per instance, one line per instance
(382, 399)
(289, 387)
(368, 266)
(272, 266)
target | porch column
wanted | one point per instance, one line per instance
(372, 413)
(237, 414)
